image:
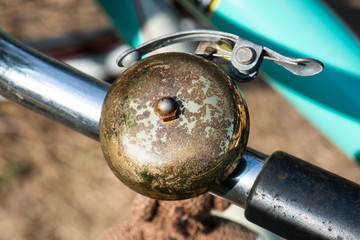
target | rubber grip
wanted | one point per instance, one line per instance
(298, 200)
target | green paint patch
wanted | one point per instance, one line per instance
(146, 176)
(126, 121)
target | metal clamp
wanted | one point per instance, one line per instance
(222, 48)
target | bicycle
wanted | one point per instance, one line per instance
(87, 85)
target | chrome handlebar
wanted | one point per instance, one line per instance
(68, 96)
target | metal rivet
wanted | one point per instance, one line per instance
(245, 55)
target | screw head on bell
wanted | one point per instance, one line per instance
(173, 126)
(166, 108)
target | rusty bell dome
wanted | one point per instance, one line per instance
(173, 126)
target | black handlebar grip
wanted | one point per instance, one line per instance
(298, 200)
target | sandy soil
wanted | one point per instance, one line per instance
(54, 183)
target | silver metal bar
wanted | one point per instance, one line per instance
(236, 188)
(70, 97)
(132, 55)
(49, 87)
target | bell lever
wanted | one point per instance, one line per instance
(245, 57)
(298, 66)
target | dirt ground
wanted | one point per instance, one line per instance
(55, 184)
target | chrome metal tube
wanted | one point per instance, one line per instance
(49, 87)
(70, 97)
(236, 188)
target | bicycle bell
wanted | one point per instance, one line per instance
(175, 125)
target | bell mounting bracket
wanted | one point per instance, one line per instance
(222, 48)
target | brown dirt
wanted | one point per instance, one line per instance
(54, 183)
(42, 18)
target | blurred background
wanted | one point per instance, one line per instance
(55, 184)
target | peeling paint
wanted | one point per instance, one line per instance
(186, 156)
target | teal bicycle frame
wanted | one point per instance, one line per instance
(331, 100)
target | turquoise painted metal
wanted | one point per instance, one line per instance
(124, 18)
(330, 100)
